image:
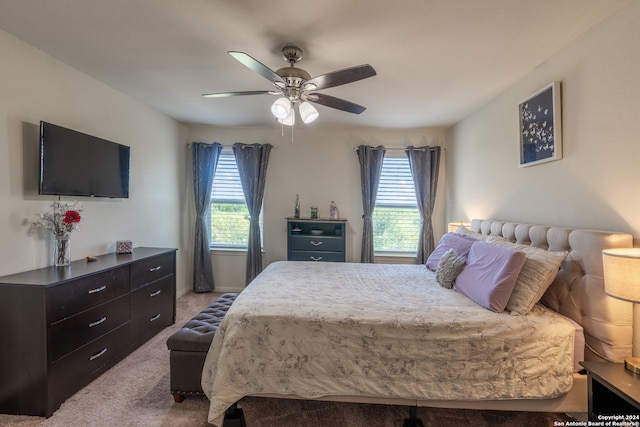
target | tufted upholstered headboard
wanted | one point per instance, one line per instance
(578, 290)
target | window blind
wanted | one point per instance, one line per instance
(396, 219)
(229, 216)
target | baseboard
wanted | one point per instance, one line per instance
(236, 289)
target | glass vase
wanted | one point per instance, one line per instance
(62, 252)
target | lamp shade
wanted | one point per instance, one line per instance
(281, 108)
(308, 112)
(453, 226)
(290, 119)
(622, 273)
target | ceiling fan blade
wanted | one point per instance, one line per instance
(341, 77)
(256, 66)
(249, 92)
(333, 102)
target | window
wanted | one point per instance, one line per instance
(396, 219)
(229, 215)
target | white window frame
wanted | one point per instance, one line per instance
(221, 178)
(401, 196)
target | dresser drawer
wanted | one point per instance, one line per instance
(152, 308)
(317, 256)
(316, 243)
(70, 298)
(74, 332)
(152, 269)
(77, 369)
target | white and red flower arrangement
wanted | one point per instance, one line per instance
(62, 220)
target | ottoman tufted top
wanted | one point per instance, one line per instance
(197, 333)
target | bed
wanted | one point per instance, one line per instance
(376, 333)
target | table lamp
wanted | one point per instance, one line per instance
(622, 280)
(453, 226)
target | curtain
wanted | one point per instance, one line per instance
(204, 158)
(425, 164)
(252, 160)
(370, 168)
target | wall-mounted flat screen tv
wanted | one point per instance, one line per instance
(76, 164)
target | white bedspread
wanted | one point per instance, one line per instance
(316, 329)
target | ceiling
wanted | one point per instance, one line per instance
(436, 60)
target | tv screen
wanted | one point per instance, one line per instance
(76, 164)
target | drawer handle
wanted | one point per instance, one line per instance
(152, 269)
(97, 322)
(156, 293)
(156, 317)
(315, 243)
(96, 290)
(316, 259)
(98, 354)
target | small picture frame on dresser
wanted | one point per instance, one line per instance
(124, 246)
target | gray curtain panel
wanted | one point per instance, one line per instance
(370, 168)
(204, 158)
(425, 165)
(252, 161)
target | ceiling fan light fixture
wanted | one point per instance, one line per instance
(281, 108)
(308, 112)
(290, 120)
(294, 86)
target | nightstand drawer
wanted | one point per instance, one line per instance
(316, 243)
(316, 256)
(152, 269)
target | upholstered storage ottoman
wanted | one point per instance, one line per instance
(189, 346)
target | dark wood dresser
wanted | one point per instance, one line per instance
(64, 326)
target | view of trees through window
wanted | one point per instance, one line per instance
(229, 224)
(395, 229)
(229, 215)
(396, 219)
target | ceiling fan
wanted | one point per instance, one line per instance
(296, 87)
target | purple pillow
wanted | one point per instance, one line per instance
(458, 242)
(490, 275)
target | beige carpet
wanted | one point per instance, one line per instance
(136, 393)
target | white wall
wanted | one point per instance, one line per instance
(596, 184)
(34, 86)
(320, 165)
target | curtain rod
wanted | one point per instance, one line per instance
(273, 147)
(405, 148)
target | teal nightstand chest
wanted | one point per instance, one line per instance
(316, 240)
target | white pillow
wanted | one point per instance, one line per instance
(537, 274)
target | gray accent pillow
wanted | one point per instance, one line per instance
(537, 274)
(449, 267)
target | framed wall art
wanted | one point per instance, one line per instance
(541, 126)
